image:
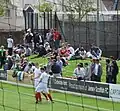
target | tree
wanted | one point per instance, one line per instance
(44, 6)
(3, 6)
(82, 7)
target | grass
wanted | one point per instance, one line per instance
(13, 101)
(68, 70)
(13, 98)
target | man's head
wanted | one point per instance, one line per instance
(30, 65)
(80, 65)
(107, 61)
(10, 36)
(68, 45)
(29, 30)
(42, 69)
(2, 47)
(58, 58)
(85, 64)
(97, 61)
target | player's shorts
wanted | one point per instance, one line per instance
(42, 87)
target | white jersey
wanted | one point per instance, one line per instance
(37, 74)
(44, 78)
(42, 86)
(10, 42)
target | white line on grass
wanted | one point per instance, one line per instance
(57, 100)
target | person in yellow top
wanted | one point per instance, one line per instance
(2, 56)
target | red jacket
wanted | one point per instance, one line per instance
(56, 36)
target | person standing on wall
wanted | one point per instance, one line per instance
(10, 43)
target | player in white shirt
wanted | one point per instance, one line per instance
(10, 45)
(37, 73)
(42, 86)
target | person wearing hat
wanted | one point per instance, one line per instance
(79, 72)
(2, 56)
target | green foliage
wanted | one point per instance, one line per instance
(83, 7)
(44, 6)
(1, 11)
(3, 6)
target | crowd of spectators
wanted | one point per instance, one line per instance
(58, 54)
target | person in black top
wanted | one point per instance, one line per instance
(2, 56)
(55, 68)
(28, 38)
(36, 39)
(115, 71)
(108, 71)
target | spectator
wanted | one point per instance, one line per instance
(36, 39)
(47, 47)
(108, 71)
(71, 51)
(115, 71)
(55, 68)
(82, 53)
(56, 37)
(96, 71)
(87, 71)
(60, 63)
(49, 35)
(42, 51)
(10, 62)
(79, 72)
(2, 56)
(28, 51)
(28, 38)
(15, 57)
(10, 45)
(95, 52)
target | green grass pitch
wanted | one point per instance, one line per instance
(14, 98)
